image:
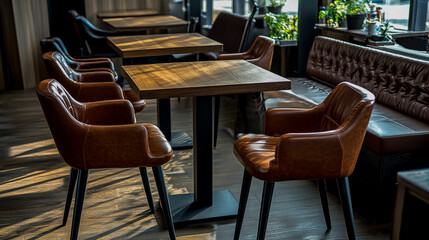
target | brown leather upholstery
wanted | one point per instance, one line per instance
(322, 142)
(94, 135)
(227, 29)
(103, 134)
(85, 86)
(260, 53)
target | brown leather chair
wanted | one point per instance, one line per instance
(88, 86)
(78, 64)
(319, 143)
(93, 40)
(103, 134)
(260, 53)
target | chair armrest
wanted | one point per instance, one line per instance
(230, 56)
(83, 70)
(98, 91)
(108, 112)
(94, 64)
(309, 156)
(279, 121)
(125, 146)
(95, 76)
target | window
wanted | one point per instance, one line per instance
(395, 10)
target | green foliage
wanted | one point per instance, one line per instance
(335, 13)
(275, 3)
(282, 27)
(384, 31)
(357, 7)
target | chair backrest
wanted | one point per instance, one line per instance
(79, 32)
(59, 69)
(56, 44)
(248, 27)
(228, 29)
(62, 113)
(262, 51)
(192, 24)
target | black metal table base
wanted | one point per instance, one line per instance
(181, 141)
(185, 210)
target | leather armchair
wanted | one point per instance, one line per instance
(260, 53)
(93, 39)
(319, 143)
(77, 64)
(88, 86)
(102, 134)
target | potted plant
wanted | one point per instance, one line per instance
(282, 27)
(356, 13)
(335, 14)
(275, 6)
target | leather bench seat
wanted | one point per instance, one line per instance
(388, 131)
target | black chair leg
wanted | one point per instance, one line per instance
(72, 184)
(165, 203)
(346, 202)
(267, 196)
(245, 187)
(82, 178)
(216, 120)
(146, 184)
(324, 198)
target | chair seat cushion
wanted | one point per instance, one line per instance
(388, 131)
(255, 152)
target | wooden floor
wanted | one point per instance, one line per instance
(34, 179)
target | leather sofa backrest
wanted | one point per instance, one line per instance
(398, 82)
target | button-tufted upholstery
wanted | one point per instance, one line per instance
(101, 134)
(88, 86)
(319, 143)
(397, 82)
(398, 132)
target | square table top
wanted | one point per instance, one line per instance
(162, 44)
(128, 13)
(145, 23)
(205, 78)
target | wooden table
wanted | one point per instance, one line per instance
(128, 13)
(415, 183)
(200, 80)
(145, 23)
(162, 44)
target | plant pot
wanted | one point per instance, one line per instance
(275, 10)
(355, 21)
(371, 29)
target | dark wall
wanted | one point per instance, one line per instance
(60, 22)
(9, 48)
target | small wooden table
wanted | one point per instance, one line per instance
(415, 183)
(145, 23)
(162, 44)
(128, 13)
(200, 80)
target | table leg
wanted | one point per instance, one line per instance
(399, 207)
(203, 204)
(178, 140)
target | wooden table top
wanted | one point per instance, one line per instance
(145, 23)
(162, 44)
(128, 13)
(205, 78)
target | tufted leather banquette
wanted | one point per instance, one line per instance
(398, 132)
